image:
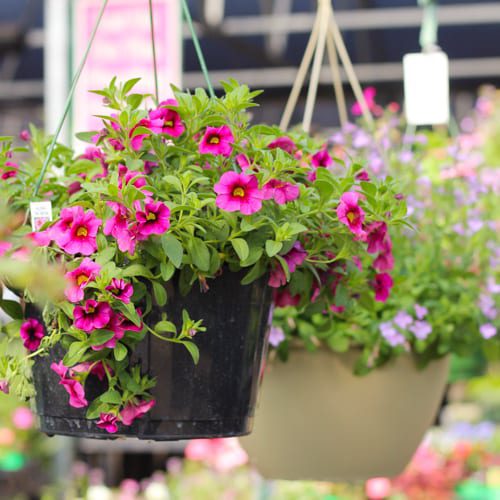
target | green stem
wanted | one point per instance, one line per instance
(153, 46)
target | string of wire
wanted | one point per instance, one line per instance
(153, 48)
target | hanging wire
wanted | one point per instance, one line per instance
(429, 28)
(69, 100)
(153, 46)
(197, 47)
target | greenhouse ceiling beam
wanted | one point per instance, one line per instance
(371, 72)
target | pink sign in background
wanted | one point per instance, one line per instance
(122, 48)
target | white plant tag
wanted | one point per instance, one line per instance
(427, 88)
(41, 212)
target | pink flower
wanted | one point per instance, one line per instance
(362, 175)
(375, 236)
(350, 213)
(369, 93)
(92, 316)
(217, 141)
(421, 329)
(223, 454)
(282, 192)
(108, 422)
(382, 286)
(322, 158)
(283, 298)
(137, 140)
(276, 336)
(23, 418)
(127, 325)
(76, 231)
(154, 218)
(118, 226)
(95, 368)
(126, 176)
(385, 259)
(242, 161)
(115, 325)
(79, 277)
(277, 277)
(10, 171)
(166, 120)
(296, 256)
(76, 392)
(487, 330)
(5, 246)
(133, 411)
(41, 238)
(74, 187)
(24, 135)
(59, 368)
(32, 333)
(121, 290)
(238, 192)
(420, 311)
(284, 143)
(4, 386)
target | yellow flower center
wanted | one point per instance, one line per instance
(170, 123)
(82, 231)
(90, 310)
(239, 191)
(351, 216)
(214, 140)
(81, 279)
(151, 216)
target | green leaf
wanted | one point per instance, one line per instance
(136, 270)
(241, 248)
(100, 337)
(111, 396)
(172, 248)
(129, 85)
(95, 409)
(273, 247)
(193, 350)
(75, 353)
(167, 270)
(338, 343)
(160, 293)
(296, 228)
(85, 136)
(106, 255)
(165, 326)
(199, 254)
(256, 272)
(12, 308)
(120, 352)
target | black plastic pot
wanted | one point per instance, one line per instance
(215, 398)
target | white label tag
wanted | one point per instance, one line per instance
(41, 212)
(427, 88)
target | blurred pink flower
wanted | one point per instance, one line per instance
(221, 454)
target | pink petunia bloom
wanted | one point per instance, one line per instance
(222, 454)
(238, 192)
(296, 256)
(154, 218)
(362, 175)
(60, 369)
(128, 326)
(74, 187)
(5, 246)
(121, 290)
(166, 120)
(217, 141)
(32, 333)
(277, 277)
(276, 336)
(385, 259)
(76, 231)
(93, 153)
(375, 236)
(25, 135)
(350, 213)
(420, 311)
(134, 411)
(487, 330)
(115, 325)
(78, 279)
(369, 94)
(126, 176)
(281, 192)
(23, 418)
(284, 143)
(382, 286)
(92, 316)
(283, 298)
(421, 329)
(10, 172)
(95, 368)
(108, 422)
(136, 141)
(118, 226)
(242, 160)
(322, 159)
(76, 392)
(4, 386)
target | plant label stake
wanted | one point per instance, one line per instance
(325, 33)
(41, 213)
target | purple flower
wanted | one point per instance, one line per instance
(4, 386)
(276, 336)
(32, 333)
(420, 311)
(421, 329)
(403, 320)
(390, 334)
(487, 330)
(492, 286)
(487, 306)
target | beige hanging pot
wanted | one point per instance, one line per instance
(316, 420)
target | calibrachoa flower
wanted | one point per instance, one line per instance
(382, 286)
(284, 143)
(350, 213)
(487, 330)
(32, 333)
(166, 120)
(76, 231)
(72, 387)
(390, 334)
(153, 217)
(108, 422)
(93, 315)
(283, 298)
(281, 192)
(126, 176)
(403, 320)
(238, 192)
(118, 226)
(4, 386)
(420, 311)
(115, 325)
(217, 141)
(295, 257)
(136, 140)
(79, 277)
(277, 277)
(376, 233)
(385, 259)
(5, 246)
(121, 290)
(276, 336)
(322, 158)
(96, 368)
(421, 329)
(133, 411)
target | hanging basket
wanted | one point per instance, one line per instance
(215, 398)
(316, 420)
